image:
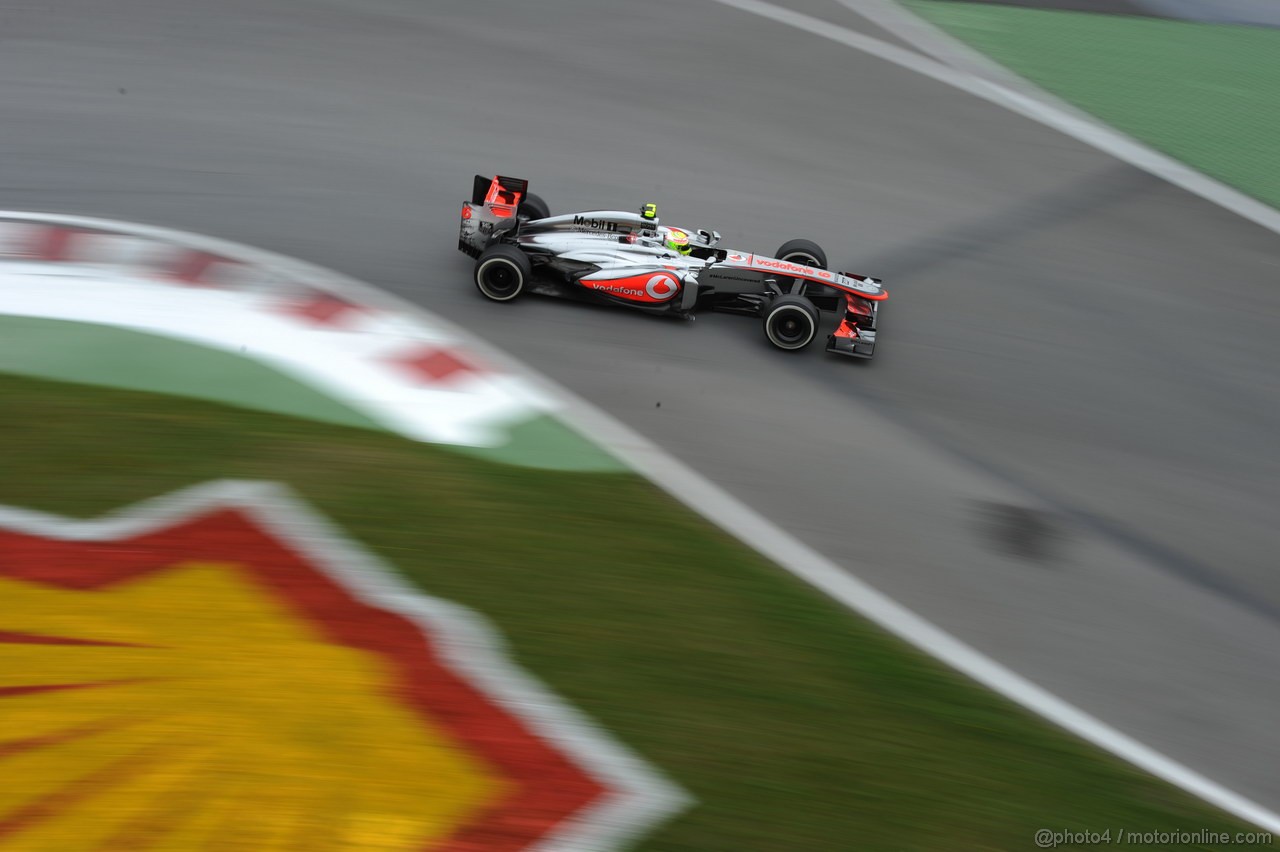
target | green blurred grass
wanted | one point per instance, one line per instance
(1207, 94)
(796, 725)
(105, 355)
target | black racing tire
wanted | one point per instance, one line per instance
(791, 322)
(803, 252)
(502, 272)
(533, 207)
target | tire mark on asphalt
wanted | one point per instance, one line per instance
(1153, 552)
(1044, 212)
(1031, 215)
(1038, 213)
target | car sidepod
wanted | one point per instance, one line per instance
(655, 288)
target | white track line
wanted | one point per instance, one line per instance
(755, 530)
(1073, 124)
(928, 39)
(817, 570)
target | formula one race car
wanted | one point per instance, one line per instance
(631, 259)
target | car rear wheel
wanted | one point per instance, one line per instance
(791, 322)
(534, 207)
(502, 272)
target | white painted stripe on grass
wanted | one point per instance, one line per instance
(764, 536)
(761, 534)
(1077, 126)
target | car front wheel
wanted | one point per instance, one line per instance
(803, 252)
(791, 322)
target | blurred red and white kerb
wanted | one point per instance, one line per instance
(39, 243)
(416, 378)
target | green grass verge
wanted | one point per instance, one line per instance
(796, 725)
(105, 355)
(120, 357)
(1207, 94)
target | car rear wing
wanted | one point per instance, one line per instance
(500, 190)
(491, 212)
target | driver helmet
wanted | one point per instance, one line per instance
(678, 241)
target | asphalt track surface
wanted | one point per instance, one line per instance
(1065, 451)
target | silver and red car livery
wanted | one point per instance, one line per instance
(623, 258)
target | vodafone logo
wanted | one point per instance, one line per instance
(660, 287)
(645, 287)
(788, 266)
(613, 288)
(782, 265)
